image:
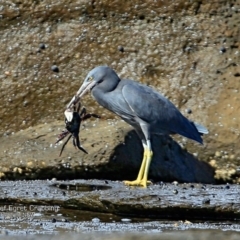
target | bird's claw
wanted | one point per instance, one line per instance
(140, 183)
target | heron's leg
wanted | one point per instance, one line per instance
(149, 154)
(143, 172)
(142, 168)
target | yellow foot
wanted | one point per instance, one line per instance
(141, 183)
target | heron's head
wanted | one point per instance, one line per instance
(102, 78)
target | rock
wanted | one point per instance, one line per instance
(190, 234)
(130, 202)
(200, 79)
(87, 200)
(115, 152)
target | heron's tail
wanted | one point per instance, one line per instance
(201, 129)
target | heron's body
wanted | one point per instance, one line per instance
(133, 102)
(140, 106)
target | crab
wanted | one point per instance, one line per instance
(73, 127)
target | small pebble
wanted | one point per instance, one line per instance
(64, 220)
(218, 154)
(48, 29)
(175, 183)
(42, 46)
(126, 220)
(4, 232)
(55, 68)
(223, 50)
(188, 49)
(120, 48)
(236, 74)
(175, 191)
(227, 187)
(206, 201)
(96, 220)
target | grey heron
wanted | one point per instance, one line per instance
(145, 109)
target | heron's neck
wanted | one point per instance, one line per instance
(103, 95)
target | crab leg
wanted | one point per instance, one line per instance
(62, 136)
(77, 144)
(64, 145)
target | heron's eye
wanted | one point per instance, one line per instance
(90, 78)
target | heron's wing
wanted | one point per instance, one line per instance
(154, 109)
(116, 103)
(148, 104)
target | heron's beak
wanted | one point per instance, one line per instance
(86, 86)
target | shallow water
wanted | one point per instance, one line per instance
(61, 220)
